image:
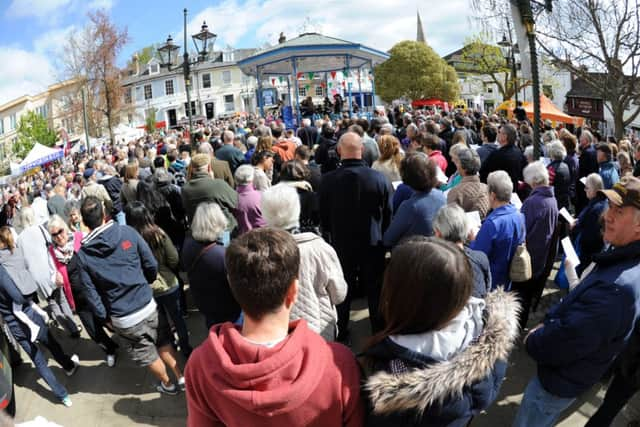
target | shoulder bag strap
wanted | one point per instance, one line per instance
(202, 252)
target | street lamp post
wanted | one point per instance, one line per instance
(166, 50)
(508, 51)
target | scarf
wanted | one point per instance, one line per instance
(65, 253)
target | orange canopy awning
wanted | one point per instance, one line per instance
(548, 110)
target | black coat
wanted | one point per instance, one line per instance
(208, 281)
(308, 136)
(508, 158)
(560, 178)
(355, 206)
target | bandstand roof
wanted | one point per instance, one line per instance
(313, 53)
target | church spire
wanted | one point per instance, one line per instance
(420, 35)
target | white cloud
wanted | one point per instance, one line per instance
(37, 8)
(23, 73)
(379, 24)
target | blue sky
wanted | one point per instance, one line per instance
(33, 32)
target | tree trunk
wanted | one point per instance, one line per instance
(107, 95)
(618, 121)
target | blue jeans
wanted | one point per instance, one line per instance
(120, 218)
(34, 352)
(540, 408)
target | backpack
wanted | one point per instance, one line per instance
(333, 159)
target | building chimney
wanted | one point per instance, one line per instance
(136, 63)
(282, 38)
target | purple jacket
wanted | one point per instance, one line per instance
(248, 213)
(541, 216)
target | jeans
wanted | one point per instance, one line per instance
(618, 394)
(170, 304)
(96, 331)
(540, 408)
(120, 218)
(35, 353)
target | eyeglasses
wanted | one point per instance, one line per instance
(57, 233)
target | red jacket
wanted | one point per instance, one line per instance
(286, 149)
(302, 381)
(439, 159)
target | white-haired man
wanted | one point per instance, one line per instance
(307, 133)
(229, 153)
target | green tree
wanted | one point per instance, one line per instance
(145, 55)
(150, 121)
(480, 57)
(32, 128)
(415, 71)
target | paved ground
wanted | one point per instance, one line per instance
(125, 395)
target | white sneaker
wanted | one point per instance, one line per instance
(66, 401)
(76, 362)
(111, 360)
(181, 384)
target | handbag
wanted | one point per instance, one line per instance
(520, 269)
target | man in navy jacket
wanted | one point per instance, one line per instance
(583, 334)
(115, 266)
(355, 211)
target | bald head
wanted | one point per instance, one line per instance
(350, 146)
(227, 137)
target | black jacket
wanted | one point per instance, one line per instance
(208, 281)
(508, 158)
(560, 178)
(113, 184)
(308, 136)
(355, 206)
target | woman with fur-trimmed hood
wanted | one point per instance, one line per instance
(443, 355)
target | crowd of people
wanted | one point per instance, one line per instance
(444, 221)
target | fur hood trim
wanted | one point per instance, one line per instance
(421, 388)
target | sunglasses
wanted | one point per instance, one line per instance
(57, 233)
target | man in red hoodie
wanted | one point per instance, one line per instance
(269, 371)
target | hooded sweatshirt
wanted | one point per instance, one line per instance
(116, 266)
(301, 381)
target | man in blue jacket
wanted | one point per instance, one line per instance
(355, 211)
(583, 334)
(115, 266)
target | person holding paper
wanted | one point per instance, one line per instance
(540, 212)
(582, 335)
(27, 323)
(502, 231)
(586, 232)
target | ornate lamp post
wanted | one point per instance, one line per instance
(509, 50)
(203, 42)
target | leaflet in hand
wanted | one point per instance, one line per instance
(440, 176)
(473, 218)
(515, 201)
(570, 252)
(566, 215)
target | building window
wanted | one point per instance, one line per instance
(154, 69)
(226, 77)
(12, 122)
(228, 103)
(302, 91)
(127, 95)
(129, 118)
(43, 111)
(227, 56)
(193, 108)
(206, 81)
(148, 93)
(1, 126)
(319, 91)
(168, 87)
